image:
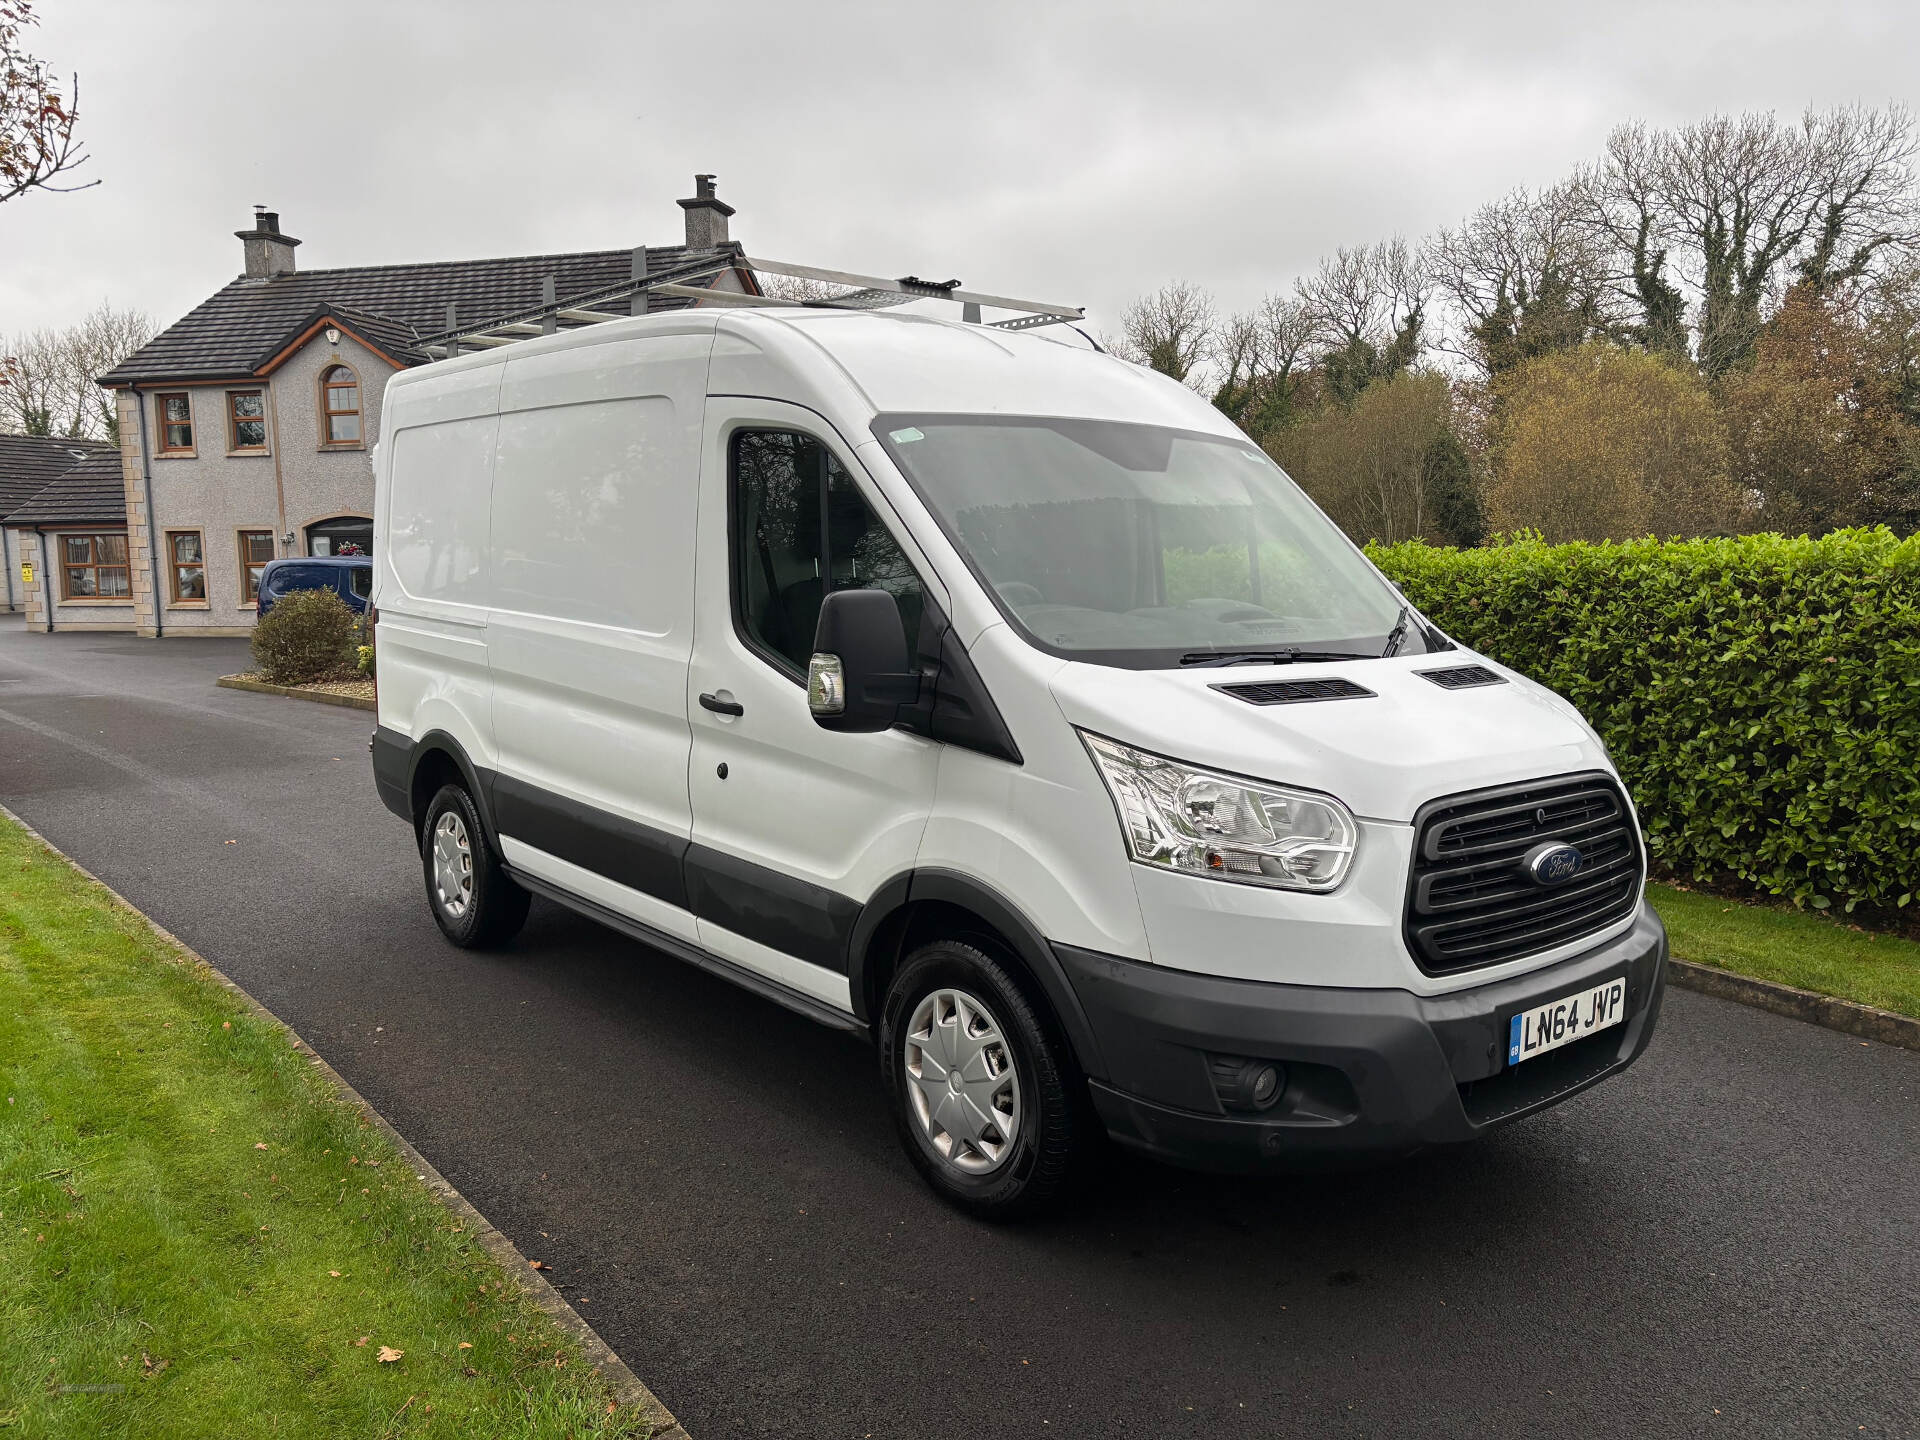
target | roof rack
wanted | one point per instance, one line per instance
(865, 292)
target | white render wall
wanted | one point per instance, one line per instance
(220, 494)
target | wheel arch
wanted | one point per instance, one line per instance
(920, 905)
(436, 758)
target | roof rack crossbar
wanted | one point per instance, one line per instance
(867, 292)
(913, 289)
(584, 300)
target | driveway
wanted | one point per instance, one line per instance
(1723, 1241)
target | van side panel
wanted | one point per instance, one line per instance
(433, 476)
(591, 622)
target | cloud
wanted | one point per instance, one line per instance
(1071, 150)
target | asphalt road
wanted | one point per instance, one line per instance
(1723, 1241)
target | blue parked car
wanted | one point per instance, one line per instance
(348, 576)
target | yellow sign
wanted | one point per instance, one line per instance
(26, 572)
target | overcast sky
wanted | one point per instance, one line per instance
(1074, 150)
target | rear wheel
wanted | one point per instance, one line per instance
(473, 901)
(984, 1099)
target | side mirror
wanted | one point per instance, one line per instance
(860, 675)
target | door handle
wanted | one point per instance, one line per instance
(722, 707)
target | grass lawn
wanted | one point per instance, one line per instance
(199, 1237)
(1792, 947)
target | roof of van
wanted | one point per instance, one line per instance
(330, 562)
(890, 364)
(919, 364)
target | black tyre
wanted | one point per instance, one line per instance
(473, 901)
(987, 1103)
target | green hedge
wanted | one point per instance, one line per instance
(1761, 695)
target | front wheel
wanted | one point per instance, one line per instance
(984, 1099)
(473, 901)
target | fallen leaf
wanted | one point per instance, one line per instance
(612, 1405)
(465, 1345)
(363, 1340)
(226, 1024)
(150, 1367)
(468, 1370)
(259, 1144)
(539, 1265)
(334, 1273)
(388, 1354)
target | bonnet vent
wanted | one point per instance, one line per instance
(1294, 692)
(1461, 677)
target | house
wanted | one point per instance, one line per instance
(247, 426)
(28, 465)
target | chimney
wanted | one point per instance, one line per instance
(269, 253)
(706, 216)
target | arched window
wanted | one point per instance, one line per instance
(339, 406)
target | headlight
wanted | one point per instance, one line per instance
(1183, 818)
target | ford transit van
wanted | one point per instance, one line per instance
(999, 701)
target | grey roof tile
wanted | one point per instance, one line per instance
(92, 492)
(30, 463)
(242, 326)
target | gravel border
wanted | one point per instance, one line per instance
(294, 692)
(627, 1387)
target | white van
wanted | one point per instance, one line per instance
(999, 700)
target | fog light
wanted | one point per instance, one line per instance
(1247, 1084)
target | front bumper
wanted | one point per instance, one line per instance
(1368, 1071)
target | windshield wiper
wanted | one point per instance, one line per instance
(1268, 657)
(1398, 633)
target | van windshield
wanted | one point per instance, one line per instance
(1141, 546)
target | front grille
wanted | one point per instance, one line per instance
(1470, 901)
(1293, 692)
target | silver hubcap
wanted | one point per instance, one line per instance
(961, 1080)
(452, 865)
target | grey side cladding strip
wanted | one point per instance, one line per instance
(624, 851)
(796, 917)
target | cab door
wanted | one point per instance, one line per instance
(794, 827)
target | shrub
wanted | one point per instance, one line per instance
(365, 654)
(1760, 694)
(308, 635)
(1367, 466)
(1601, 442)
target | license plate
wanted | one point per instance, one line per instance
(1563, 1021)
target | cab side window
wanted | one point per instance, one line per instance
(801, 530)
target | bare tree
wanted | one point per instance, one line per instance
(1524, 276)
(1171, 330)
(47, 376)
(1865, 206)
(800, 287)
(1619, 203)
(1366, 309)
(37, 142)
(1256, 354)
(1742, 205)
